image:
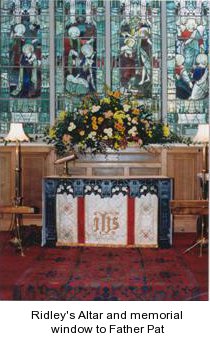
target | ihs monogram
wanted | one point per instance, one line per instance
(105, 222)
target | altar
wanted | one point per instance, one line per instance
(130, 212)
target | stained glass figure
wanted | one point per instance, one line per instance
(81, 58)
(81, 49)
(135, 46)
(187, 27)
(23, 69)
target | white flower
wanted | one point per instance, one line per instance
(132, 131)
(126, 107)
(134, 121)
(108, 131)
(92, 134)
(95, 108)
(72, 126)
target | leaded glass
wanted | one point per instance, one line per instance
(24, 64)
(136, 48)
(187, 29)
(80, 50)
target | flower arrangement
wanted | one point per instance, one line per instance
(111, 122)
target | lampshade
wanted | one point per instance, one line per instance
(16, 133)
(202, 133)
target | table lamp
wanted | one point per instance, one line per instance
(17, 135)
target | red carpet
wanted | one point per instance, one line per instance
(79, 274)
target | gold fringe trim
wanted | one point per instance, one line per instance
(108, 245)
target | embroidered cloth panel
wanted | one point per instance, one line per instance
(117, 220)
(107, 211)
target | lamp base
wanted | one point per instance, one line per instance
(202, 241)
(16, 224)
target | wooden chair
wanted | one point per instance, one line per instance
(193, 207)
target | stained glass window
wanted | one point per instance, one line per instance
(24, 64)
(80, 50)
(187, 27)
(90, 42)
(136, 49)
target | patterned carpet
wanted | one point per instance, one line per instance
(107, 274)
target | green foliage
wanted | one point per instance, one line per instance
(111, 122)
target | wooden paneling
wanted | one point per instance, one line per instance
(33, 170)
(131, 161)
(5, 178)
(36, 162)
(182, 163)
(135, 171)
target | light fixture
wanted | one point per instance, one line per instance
(17, 135)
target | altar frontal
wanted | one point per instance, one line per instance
(119, 220)
(129, 212)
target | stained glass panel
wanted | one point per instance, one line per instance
(24, 64)
(187, 28)
(136, 49)
(82, 54)
(80, 50)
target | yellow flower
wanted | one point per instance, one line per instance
(136, 111)
(116, 94)
(82, 133)
(166, 130)
(117, 137)
(94, 126)
(116, 145)
(100, 120)
(105, 100)
(109, 92)
(52, 133)
(120, 121)
(149, 133)
(119, 114)
(62, 115)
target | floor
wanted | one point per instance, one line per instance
(12, 264)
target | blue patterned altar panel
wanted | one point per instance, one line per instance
(187, 29)
(24, 64)
(80, 50)
(135, 50)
